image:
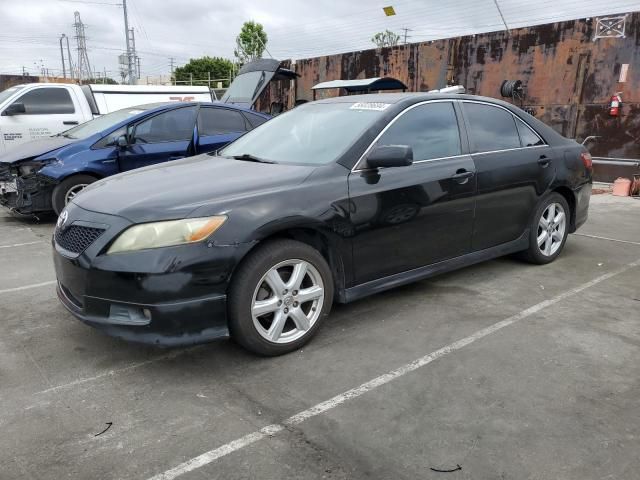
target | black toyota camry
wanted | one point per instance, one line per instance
(330, 202)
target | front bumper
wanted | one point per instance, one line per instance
(171, 296)
(168, 324)
(26, 195)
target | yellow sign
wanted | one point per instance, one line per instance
(389, 11)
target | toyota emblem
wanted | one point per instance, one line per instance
(62, 219)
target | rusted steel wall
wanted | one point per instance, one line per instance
(569, 77)
(7, 81)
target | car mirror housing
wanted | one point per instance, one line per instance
(122, 141)
(387, 156)
(16, 108)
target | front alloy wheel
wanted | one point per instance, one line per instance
(68, 189)
(287, 301)
(73, 191)
(279, 296)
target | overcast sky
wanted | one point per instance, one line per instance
(183, 29)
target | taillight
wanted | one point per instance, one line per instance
(587, 160)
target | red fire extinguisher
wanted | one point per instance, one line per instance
(616, 105)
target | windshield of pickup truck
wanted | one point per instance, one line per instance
(8, 92)
(103, 123)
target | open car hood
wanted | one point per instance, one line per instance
(35, 148)
(252, 79)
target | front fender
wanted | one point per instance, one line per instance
(99, 164)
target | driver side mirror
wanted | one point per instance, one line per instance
(122, 141)
(16, 108)
(387, 156)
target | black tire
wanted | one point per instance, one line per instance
(245, 282)
(534, 254)
(58, 198)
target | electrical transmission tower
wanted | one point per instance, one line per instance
(131, 67)
(83, 67)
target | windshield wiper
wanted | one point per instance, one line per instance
(247, 157)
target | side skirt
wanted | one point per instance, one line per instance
(410, 276)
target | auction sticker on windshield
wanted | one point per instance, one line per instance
(378, 106)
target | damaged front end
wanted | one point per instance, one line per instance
(23, 190)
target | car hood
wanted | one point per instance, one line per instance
(35, 148)
(176, 189)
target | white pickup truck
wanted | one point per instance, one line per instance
(35, 110)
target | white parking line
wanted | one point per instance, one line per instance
(111, 373)
(21, 244)
(606, 238)
(322, 407)
(27, 287)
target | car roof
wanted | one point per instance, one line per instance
(401, 100)
(153, 107)
(406, 97)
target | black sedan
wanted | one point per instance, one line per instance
(332, 201)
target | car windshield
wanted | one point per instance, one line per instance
(8, 92)
(104, 122)
(312, 134)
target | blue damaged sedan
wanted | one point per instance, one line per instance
(47, 174)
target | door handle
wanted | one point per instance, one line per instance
(70, 122)
(462, 176)
(543, 161)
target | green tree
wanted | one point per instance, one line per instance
(106, 80)
(251, 42)
(201, 69)
(386, 39)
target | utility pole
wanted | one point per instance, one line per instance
(130, 53)
(171, 64)
(64, 68)
(70, 59)
(406, 30)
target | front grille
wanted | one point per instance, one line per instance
(77, 239)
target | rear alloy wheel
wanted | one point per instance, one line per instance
(67, 190)
(278, 297)
(549, 230)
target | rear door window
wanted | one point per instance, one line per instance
(47, 101)
(218, 121)
(431, 130)
(490, 128)
(528, 138)
(172, 126)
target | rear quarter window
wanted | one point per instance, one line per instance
(528, 138)
(254, 120)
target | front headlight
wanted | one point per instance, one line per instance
(29, 168)
(166, 234)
